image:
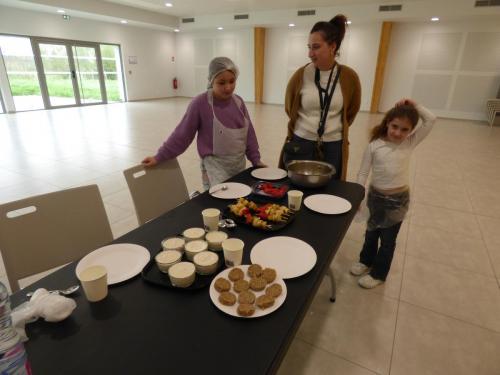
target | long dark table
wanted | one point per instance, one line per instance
(144, 329)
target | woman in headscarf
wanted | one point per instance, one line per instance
(225, 132)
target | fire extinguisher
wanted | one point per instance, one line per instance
(174, 83)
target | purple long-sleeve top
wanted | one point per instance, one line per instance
(199, 119)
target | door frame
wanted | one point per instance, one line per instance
(68, 44)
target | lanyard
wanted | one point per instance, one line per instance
(325, 97)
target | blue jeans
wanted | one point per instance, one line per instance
(379, 258)
(331, 150)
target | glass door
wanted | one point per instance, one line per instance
(71, 73)
(57, 76)
(89, 75)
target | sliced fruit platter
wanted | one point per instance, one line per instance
(265, 216)
(274, 190)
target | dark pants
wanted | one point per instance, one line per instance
(379, 261)
(332, 153)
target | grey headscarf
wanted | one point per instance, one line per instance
(219, 65)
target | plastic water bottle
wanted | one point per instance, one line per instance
(13, 358)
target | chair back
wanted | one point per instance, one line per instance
(156, 190)
(45, 231)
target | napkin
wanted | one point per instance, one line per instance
(51, 307)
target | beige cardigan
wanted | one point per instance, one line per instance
(351, 93)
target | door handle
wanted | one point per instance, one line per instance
(73, 74)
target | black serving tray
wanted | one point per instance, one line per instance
(152, 274)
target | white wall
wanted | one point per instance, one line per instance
(451, 67)
(150, 78)
(196, 49)
(286, 50)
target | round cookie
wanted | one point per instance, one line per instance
(264, 301)
(246, 297)
(255, 270)
(236, 274)
(245, 309)
(227, 298)
(222, 285)
(274, 290)
(258, 283)
(241, 285)
(269, 274)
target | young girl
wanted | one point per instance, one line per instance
(388, 157)
(225, 132)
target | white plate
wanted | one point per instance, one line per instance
(234, 190)
(327, 204)
(232, 310)
(122, 261)
(269, 174)
(290, 256)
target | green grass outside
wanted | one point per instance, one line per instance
(60, 87)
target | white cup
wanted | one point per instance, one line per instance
(193, 234)
(173, 243)
(294, 199)
(215, 239)
(211, 217)
(94, 280)
(233, 251)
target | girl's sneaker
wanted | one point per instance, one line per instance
(369, 282)
(358, 269)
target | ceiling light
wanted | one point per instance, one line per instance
(176, 30)
(124, 21)
(168, 5)
(349, 22)
(291, 25)
(61, 11)
(434, 19)
(220, 28)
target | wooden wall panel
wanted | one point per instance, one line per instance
(385, 40)
(259, 47)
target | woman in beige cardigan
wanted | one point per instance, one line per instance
(322, 100)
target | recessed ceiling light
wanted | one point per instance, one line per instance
(434, 19)
(349, 22)
(124, 21)
(176, 30)
(220, 28)
(168, 5)
(291, 25)
(61, 11)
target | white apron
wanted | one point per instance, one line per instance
(229, 147)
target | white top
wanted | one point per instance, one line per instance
(307, 123)
(389, 161)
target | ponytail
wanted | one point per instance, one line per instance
(332, 31)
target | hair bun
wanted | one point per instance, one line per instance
(339, 19)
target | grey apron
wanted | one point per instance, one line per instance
(386, 210)
(229, 147)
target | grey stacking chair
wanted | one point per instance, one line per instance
(44, 231)
(156, 190)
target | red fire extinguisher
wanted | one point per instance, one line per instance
(174, 83)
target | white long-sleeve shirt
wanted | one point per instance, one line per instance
(389, 162)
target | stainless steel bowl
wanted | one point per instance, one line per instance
(310, 173)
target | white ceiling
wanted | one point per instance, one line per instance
(186, 8)
(210, 14)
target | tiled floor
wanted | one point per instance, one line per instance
(438, 312)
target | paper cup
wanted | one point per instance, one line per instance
(94, 280)
(211, 217)
(215, 239)
(233, 251)
(294, 199)
(193, 234)
(173, 243)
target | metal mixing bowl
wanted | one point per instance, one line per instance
(310, 173)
